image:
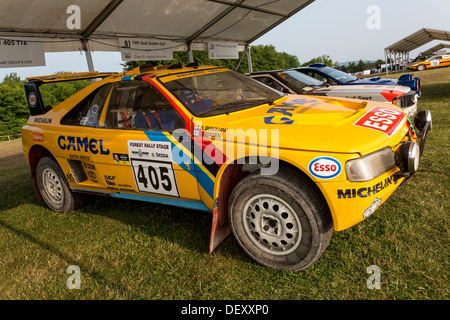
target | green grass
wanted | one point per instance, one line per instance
(136, 250)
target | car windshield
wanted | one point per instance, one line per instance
(213, 92)
(300, 80)
(339, 75)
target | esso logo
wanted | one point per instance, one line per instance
(32, 99)
(382, 119)
(325, 168)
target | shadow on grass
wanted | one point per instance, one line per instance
(190, 229)
(61, 255)
(436, 91)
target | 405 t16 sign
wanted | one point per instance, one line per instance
(26, 52)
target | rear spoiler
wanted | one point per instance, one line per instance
(34, 98)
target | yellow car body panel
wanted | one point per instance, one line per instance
(307, 128)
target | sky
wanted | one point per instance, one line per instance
(338, 28)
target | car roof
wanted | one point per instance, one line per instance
(271, 71)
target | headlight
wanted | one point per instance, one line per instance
(407, 156)
(422, 118)
(370, 166)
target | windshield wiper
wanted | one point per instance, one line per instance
(236, 104)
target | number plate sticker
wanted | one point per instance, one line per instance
(152, 166)
(435, 63)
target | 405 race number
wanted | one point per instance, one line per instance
(155, 177)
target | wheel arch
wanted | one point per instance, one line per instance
(36, 153)
(227, 178)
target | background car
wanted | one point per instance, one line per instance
(434, 61)
(337, 77)
(292, 81)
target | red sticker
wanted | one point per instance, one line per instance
(382, 119)
(38, 137)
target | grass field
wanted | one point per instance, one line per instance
(134, 250)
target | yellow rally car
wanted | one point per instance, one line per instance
(279, 171)
(435, 61)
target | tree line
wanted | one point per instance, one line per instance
(14, 111)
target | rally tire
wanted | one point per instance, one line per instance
(421, 67)
(54, 188)
(281, 221)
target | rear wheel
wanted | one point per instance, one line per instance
(280, 221)
(54, 188)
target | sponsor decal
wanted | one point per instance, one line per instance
(325, 167)
(152, 166)
(120, 158)
(70, 177)
(110, 180)
(83, 144)
(32, 99)
(381, 119)
(359, 97)
(89, 166)
(213, 133)
(38, 137)
(42, 120)
(367, 191)
(283, 113)
(79, 157)
(411, 130)
(368, 212)
(91, 174)
(197, 130)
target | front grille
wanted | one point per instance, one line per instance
(407, 100)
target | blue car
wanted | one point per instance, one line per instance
(336, 77)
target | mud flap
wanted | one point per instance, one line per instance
(220, 228)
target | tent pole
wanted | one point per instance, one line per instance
(242, 58)
(386, 61)
(249, 59)
(190, 53)
(87, 52)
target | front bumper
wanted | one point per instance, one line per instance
(352, 202)
(423, 122)
(408, 103)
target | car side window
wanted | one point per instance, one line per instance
(270, 82)
(317, 76)
(87, 112)
(137, 105)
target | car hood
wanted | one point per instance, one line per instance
(367, 92)
(308, 123)
(375, 80)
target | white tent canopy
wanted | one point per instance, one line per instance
(435, 49)
(401, 48)
(189, 24)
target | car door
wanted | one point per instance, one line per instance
(435, 61)
(139, 149)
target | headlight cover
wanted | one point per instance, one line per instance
(370, 166)
(408, 156)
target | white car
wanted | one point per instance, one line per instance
(292, 81)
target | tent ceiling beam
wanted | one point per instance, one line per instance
(101, 17)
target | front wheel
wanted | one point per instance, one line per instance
(421, 67)
(280, 221)
(54, 188)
